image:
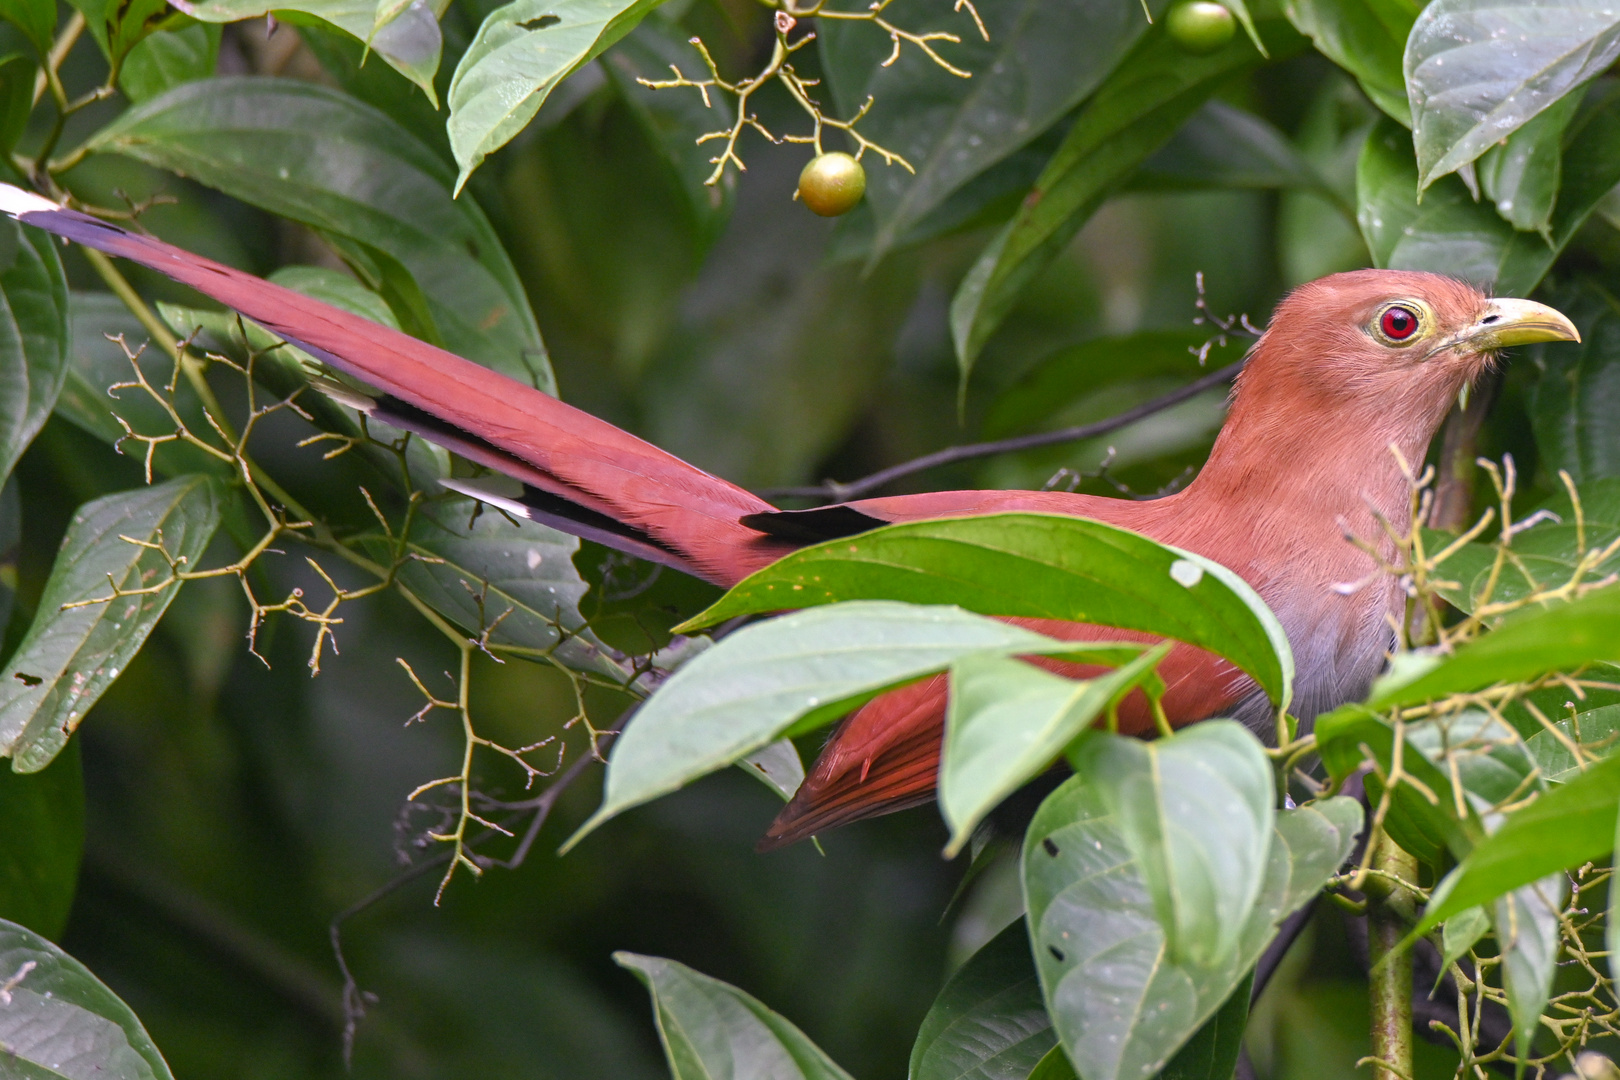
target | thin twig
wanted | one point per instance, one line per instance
(836, 492)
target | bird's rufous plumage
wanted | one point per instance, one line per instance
(1322, 417)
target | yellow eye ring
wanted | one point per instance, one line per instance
(1400, 323)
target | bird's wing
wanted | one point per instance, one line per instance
(582, 473)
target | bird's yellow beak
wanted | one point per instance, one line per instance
(1507, 322)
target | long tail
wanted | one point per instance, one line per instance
(579, 473)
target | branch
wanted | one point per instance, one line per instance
(836, 492)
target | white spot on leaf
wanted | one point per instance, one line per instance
(1186, 573)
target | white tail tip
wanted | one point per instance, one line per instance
(16, 202)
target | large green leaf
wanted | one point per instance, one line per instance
(1195, 811)
(1007, 722)
(1132, 114)
(409, 43)
(1596, 732)
(988, 1023)
(714, 1031)
(1365, 37)
(514, 578)
(790, 675)
(36, 19)
(1046, 566)
(1477, 70)
(33, 337)
(1121, 1006)
(1450, 233)
(1527, 645)
(59, 1022)
(320, 157)
(1565, 827)
(1040, 60)
(70, 657)
(41, 839)
(519, 55)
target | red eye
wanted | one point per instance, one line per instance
(1398, 323)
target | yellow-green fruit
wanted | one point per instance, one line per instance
(832, 184)
(1200, 26)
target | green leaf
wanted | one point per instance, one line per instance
(1054, 1066)
(1212, 1053)
(1462, 932)
(33, 337)
(1574, 401)
(988, 1023)
(790, 675)
(1075, 370)
(1527, 931)
(35, 18)
(410, 44)
(60, 1021)
(1450, 233)
(1565, 827)
(519, 55)
(1226, 147)
(713, 1031)
(1468, 92)
(1046, 566)
(42, 820)
(1611, 934)
(318, 156)
(1426, 829)
(1132, 114)
(777, 766)
(1522, 173)
(1121, 1006)
(17, 75)
(69, 657)
(515, 579)
(1195, 810)
(1596, 732)
(1007, 722)
(117, 25)
(1483, 752)
(164, 61)
(1039, 62)
(1367, 39)
(1527, 645)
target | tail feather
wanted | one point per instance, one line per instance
(490, 418)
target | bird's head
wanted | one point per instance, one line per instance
(1383, 352)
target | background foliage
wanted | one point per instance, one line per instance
(1067, 171)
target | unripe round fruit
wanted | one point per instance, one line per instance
(832, 184)
(1200, 26)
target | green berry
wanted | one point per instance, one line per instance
(832, 184)
(1200, 26)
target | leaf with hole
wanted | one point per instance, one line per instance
(1122, 1007)
(1047, 566)
(519, 55)
(72, 654)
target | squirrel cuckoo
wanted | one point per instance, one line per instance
(1350, 368)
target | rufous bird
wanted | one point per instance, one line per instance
(1351, 369)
